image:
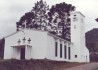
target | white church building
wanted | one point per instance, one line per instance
(38, 44)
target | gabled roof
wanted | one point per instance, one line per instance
(12, 34)
(74, 12)
(22, 30)
(53, 35)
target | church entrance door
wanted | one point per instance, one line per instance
(22, 53)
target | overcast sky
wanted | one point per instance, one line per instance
(12, 10)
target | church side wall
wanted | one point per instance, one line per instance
(51, 49)
(83, 49)
(38, 43)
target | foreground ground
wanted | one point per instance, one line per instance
(43, 65)
(90, 66)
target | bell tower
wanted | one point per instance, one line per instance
(77, 32)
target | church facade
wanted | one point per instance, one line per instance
(39, 44)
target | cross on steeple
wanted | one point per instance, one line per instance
(25, 24)
(29, 40)
(19, 41)
(24, 40)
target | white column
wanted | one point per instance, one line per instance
(26, 52)
(18, 52)
(63, 49)
(13, 52)
(30, 52)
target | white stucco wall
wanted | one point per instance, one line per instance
(78, 37)
(38, 43)
(11, 41)
(51, 48)
(42, 44)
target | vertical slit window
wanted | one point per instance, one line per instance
(65, 52)
(56, 49)
(61, 50)
(68, 52)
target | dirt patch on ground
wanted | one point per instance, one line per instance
(90, 66)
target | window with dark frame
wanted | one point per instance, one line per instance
(74, 15)
(65, 52)
(61, 50)
(75, 56)
(75, 18)
(86, 58)
(68, 52)
(56, 49)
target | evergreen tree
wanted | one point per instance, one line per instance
(41, 18)
(37, 18)
(27, 19)
(59, 18)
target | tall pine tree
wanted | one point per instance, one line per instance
(59, 18)
(27, 19)
(41, 18)
(37, 18)
(54, 19)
